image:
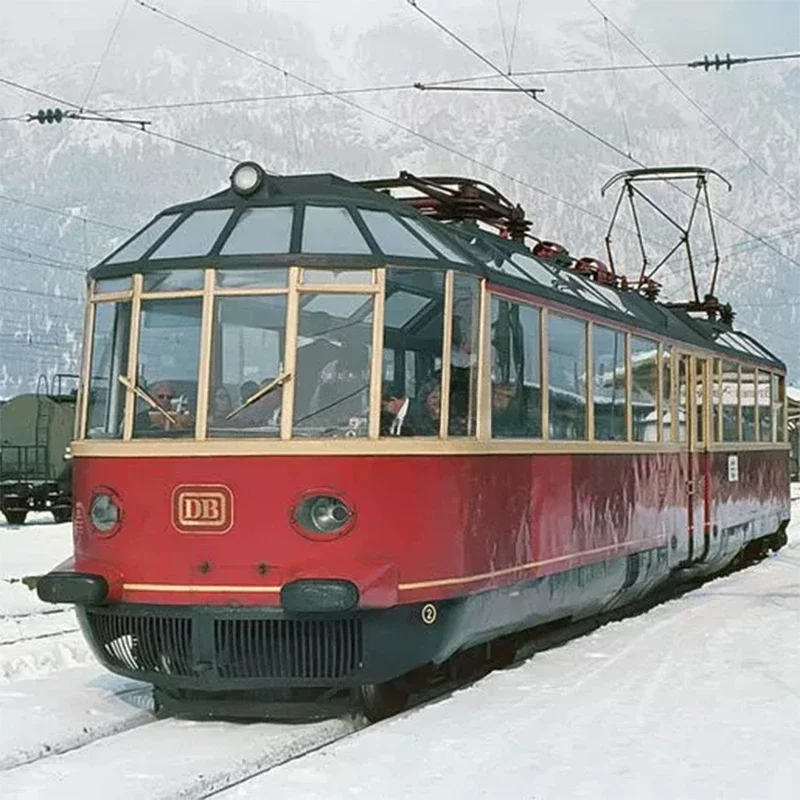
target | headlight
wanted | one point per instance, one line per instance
(247, 177)
(323, 514)
(104, 512)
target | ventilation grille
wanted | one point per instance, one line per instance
(229, 649)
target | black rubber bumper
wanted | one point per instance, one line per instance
(72, 587)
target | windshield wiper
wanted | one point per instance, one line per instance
(262, 392)
(141, 393)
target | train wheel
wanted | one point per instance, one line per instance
(15, 516)
(62, 514)
(382, 700)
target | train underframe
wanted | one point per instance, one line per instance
(262, 661)
(19, 497)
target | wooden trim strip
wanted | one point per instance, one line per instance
(376, 372)
(290, 354)
(249, 292)
(86, 371)
(204, 375)
(174, 295)
(388, 446)
(337, 288)
(111, 297)
(133, 355)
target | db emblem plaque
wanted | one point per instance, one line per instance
(202, 509)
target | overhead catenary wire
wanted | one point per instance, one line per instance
(583, 128)
(760, 167)
(137, 126)
(67, 214)
(105, 54)
(375, 114)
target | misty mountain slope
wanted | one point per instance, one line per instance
(122, 177)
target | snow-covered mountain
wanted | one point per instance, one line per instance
(122, 177)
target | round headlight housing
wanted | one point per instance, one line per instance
(323, 515)
(105, 512)
(247, 177)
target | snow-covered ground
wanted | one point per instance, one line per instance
(698, 698)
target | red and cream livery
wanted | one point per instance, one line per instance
(253, 514)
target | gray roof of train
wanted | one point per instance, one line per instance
(478, 252)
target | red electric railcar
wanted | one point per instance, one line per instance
(326, 439)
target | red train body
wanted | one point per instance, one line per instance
(207, 578)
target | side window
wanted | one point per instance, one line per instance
(644, 389)
(516, 370)
(246, 361)
(777, 408)
(332, 374)
(412, 353)
(716, 401)
(608, 365)
(764, 406)
(169, 359)
(668, 430)
(464, 358)
(730, 402)
(109, 360)
(682, 414)
(748, 396)
(566, 353)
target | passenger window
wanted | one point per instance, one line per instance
(730, 402)
(413, 342)
(777, 408)
(668, 432)
(683, 398)
(748, 395)
(169, 357)
(464, 358)
(516, 370)
(644, 389)
(246, 361)
(106, 401)
(608, 364)
(716, 401)
(764, 406)
(566, 352)
(332, 376)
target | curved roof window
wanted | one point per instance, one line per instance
(195, 235)
(437, 241)
(143, 240)
(261, 230)
(393, 237)
(328, 229)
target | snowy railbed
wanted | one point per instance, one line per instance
(695, 699)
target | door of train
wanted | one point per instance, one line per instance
(694, 398)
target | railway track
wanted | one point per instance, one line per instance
(217, 756)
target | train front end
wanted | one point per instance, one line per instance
(243, 526)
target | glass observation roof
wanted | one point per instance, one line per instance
(324, 229)
(334, 222)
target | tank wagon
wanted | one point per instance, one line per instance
(35, 434)
(332, 435)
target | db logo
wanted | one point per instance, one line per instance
(202, 509)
